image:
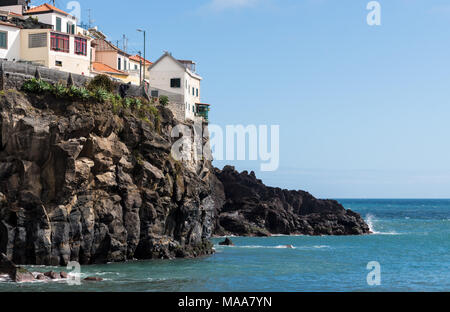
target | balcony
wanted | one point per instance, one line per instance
(202, 110)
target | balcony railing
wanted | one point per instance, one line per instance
(202, 110)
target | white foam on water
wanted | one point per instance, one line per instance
(280, 247)
(370, 220)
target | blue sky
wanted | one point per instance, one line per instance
(363, 111)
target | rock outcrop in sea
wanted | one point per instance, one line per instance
(254, 209)
(81, 182)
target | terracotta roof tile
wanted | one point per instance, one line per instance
(103, 68)
(44, 9)
(138, 59)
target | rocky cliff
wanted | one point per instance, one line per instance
(81, 183)
(253, 209)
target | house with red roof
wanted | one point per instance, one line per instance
(65, 46)
(139, 66)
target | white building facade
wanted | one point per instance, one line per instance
(178, 77)
(9, 42)
(65, 47)
(61, 21)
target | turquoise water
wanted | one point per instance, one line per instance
(411, 244)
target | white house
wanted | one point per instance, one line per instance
(65, 47)
(61, 21)
(178, 76)
(9, 40)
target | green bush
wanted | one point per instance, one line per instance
(102, 95)
(101, 82)
(60, 90)
(36, 86)
(163, 100)
(78, 93)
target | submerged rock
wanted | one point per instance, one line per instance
(52, 275)
(226, 242)
(16, 273)
(42, 277)
(93, 279)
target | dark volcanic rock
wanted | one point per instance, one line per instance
(93, 279)
(226, 242)
(80, 183)
(16, 273)
(41, 277)
(52, 275)
(251, 208)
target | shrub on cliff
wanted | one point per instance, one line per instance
(101, 82)
(59, 90)
(164, 100)
(78, 93)
(101, 95)
(36, 86)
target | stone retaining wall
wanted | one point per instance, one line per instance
(13, 75)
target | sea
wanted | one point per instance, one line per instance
(409, 251)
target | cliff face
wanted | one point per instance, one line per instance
(79, 183)
(251, 208)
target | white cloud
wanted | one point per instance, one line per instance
(220, 5)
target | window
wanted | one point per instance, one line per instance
(125, 64)
(193, 93)
(58, 63)
(154, 94)
(175, 83)
(135, 67)
(119, 64)
(80, 46)
(58, 24)
(71, 28)
(196, 92)
(37, 40)
(3, 40)
(60, 42)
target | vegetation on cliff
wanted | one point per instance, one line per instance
(92, 181)
(88, 176)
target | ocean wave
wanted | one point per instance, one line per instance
(370, 220)
(281, 247)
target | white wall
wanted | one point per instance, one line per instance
(165, 70)
(13, 51)
(74, 63)
(122, 63)
(191, 83)
(50, 18)
(18, 9)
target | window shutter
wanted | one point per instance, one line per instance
(4, 40)
(37, 40)
(58, 24)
